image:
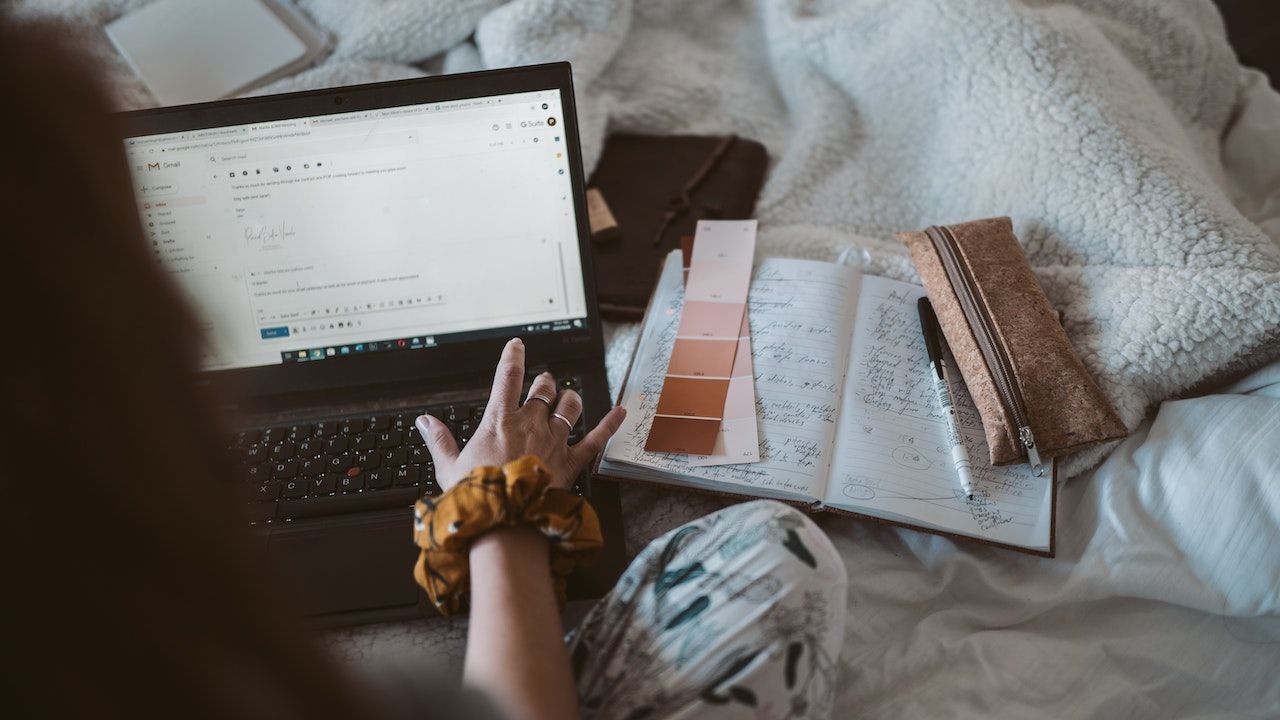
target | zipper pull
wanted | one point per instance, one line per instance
(1029, 442)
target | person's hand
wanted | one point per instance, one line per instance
(510, 431)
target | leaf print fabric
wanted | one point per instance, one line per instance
(737, 615)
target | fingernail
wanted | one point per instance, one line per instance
(517, 341)
(423, 423)
(546, 374)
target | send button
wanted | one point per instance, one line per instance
(275, 332)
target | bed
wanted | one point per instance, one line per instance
(1141, 164)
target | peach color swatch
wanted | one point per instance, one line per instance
(703, 357)
(739, 438)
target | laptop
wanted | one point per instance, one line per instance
(358, 256)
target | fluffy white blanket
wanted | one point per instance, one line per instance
(1098, 126)
(1095, 125)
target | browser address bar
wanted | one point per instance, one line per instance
(327, 146)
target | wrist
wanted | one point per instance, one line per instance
(522, 541)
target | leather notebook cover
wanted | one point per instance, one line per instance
(658, 188)
(1035, 396)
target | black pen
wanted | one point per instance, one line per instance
(933, 341)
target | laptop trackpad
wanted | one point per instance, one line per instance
(362, 566)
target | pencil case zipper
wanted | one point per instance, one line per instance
(983, 327)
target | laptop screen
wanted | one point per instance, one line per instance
(318, 238)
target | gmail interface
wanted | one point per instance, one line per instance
(391, 229)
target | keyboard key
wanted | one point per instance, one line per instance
(284, 469)
(403, 421)
(324, 485)
(314, 466)
(326, 430)
(395, 457)
(295, 488)
(419, 454)
(569, 383)
(351, 483)
(402, 498)
(258, 473)
(262, 512)
(367, 460)
(300, 432)
(255, 454)
(431, 487)
(267, 491)
(413, 437)
(378, 423)
(338, 463)
(377, 479)
(453, 413)
(466, 429)
(367, 441)
(309, 449)
(477, 413)
(275, 435)
(353, 426)
(338, 444)
(248, 437)
(391, 438)
(283, 451)
(405, 476)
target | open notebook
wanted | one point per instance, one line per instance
(847, 415)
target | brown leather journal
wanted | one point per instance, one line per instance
(657, 188)
(1034, 394)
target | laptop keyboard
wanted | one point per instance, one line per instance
(344, 465)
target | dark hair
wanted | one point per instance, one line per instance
(130, 585)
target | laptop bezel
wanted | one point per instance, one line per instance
(446, 360)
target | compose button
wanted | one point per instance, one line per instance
(275, 332)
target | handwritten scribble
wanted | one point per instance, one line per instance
(911, 458)
(891, 434)
(800, 325)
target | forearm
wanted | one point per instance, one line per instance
(515, 648)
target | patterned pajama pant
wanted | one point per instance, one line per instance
(737, 615)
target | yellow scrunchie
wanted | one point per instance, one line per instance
(489, 497)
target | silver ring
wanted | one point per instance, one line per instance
(564, 419)
(539, 397)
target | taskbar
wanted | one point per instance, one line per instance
(419, 342)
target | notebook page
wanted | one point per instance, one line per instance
(892, 460)
(801, 319)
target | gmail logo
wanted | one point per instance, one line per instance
(153, 166)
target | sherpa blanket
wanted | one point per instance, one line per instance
(1095, 125)
(1098, 126)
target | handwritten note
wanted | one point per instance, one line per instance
(801, 319)
(892, 459)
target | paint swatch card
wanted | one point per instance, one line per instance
(739, 440)
(691, 406)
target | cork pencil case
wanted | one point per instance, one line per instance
(1036, 399)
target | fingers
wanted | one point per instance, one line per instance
(566, 413)
(440, 443)
(593, 444)
(542, 393)
(507, 379)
